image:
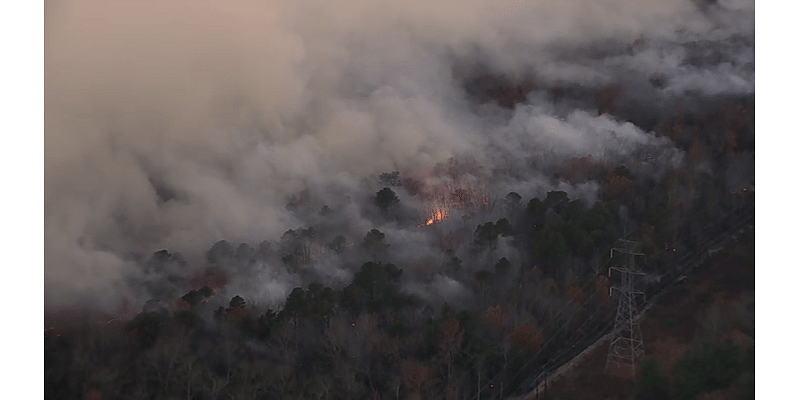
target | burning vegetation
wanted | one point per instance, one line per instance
(447, 187)
(437, 215)
(299, 218)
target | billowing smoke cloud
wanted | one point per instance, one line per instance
(173, 125)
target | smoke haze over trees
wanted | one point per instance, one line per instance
(300, 173)
(174, 126)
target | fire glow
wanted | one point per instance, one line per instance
(445, 189)
(437, 215)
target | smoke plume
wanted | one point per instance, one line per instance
(174, 125)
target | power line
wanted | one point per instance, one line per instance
(555, 336)
(627, 346)
(734, 219)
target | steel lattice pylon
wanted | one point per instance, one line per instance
(627, 346)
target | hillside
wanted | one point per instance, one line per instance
(315, 200)
(715, 304)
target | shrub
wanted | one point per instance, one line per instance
(651, 384)
(709, 368)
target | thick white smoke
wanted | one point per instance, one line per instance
(172, 125)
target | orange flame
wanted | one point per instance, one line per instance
(437, 215)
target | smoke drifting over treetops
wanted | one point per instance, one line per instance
(173, 125)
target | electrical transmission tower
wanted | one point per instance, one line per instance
(627, 346)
